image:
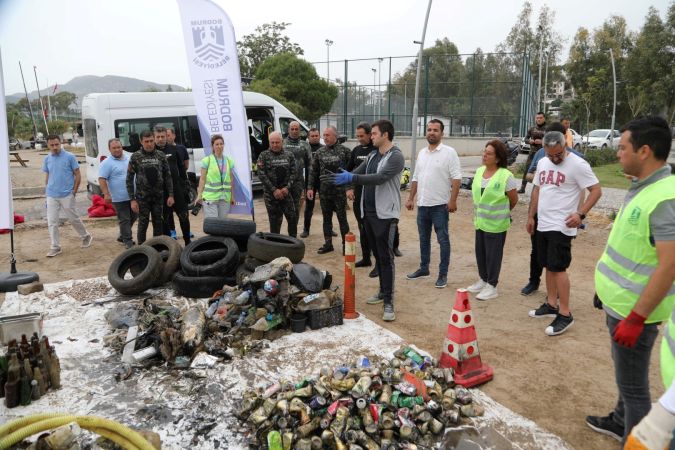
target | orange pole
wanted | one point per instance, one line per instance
(350, 277)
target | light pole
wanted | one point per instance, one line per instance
(611, 136)
(374, 72)
(379, 87)
(546, 81)
(541, 46)
(328, 44)
(420, 54)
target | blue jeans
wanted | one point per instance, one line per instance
(437, 216)
(631, 369)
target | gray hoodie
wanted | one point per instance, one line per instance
(387, 181)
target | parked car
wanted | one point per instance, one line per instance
(18, 144)
(602, 138)
(577, 140)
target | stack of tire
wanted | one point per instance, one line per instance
(151, 265)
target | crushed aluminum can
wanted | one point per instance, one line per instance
(406, 388)
(271, 390)
(471, 410)
(361, 403)
(463, 395)
(434, 407)
(375, 411)
(436, 426)
(317, 402)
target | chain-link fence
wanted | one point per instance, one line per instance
(481, 94)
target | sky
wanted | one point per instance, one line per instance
(143, 38)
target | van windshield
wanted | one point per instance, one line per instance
(128, 131)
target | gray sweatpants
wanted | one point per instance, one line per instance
(67, 205)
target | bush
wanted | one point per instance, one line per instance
(601, 157)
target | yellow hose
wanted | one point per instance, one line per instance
(116, 438)
(28, 426)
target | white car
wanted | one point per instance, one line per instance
(577, 140)
(602, 138)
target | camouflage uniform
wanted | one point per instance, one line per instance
(302, 154)
(332, 198)
(149, 183)
(278, 171)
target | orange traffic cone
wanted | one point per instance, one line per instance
(349, 303)
(460, 349)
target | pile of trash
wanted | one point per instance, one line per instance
(28, 370)
(406, 402)
(274, 298)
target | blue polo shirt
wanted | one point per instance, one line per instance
(541, 153)
(114, 171)
(60, 168)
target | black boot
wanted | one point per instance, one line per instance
(365, 262)
(326, 248)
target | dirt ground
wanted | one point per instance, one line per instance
(555, 381)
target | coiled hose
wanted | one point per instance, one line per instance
(14, 432)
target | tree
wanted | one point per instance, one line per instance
(58, 127)
(61, 102)
(295, 83)
(267, 40)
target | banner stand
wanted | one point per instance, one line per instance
(10, 281)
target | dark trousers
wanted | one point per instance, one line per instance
(536, 268)
(489, 254)
(125, 218)
(183, 219)
(631, 370)
(309, 211)
(381, 234)
(277, 210)
(334, 202)
(148, 207)
(530, 157)
(363, 236)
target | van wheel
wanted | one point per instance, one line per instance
(269, 246)
(144, 257)
(200, 287)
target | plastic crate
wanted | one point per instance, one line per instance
(320, 318)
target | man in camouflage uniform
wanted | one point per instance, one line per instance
(302, 154)
(148, 183)
(277, 172)
(329, 159)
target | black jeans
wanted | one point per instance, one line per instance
(489, 254)
(381, 234)
(334, 202)
(631, 370)
(125, 218)
(183, 219)
(363, 236)
(535, 267)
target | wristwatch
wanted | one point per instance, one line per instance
(582, 216)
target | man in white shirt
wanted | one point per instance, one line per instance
(437, 171)
(555, 199)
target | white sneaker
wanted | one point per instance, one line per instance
(53, 252)
(86, 241)
(477, 286)
(488, 292)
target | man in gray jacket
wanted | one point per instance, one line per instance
(380, 176)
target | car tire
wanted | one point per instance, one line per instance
(223, 266)
(252, 263)
(203, 257)
(169, 251)
(147, 258)
(269, 246)
(200, 287)
(233, 228)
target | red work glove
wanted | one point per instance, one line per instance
(629, 329)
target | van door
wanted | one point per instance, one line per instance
(92, 153)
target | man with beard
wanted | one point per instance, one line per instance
(302, 154)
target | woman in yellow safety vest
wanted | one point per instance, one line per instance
(216, 181)
(494, 196)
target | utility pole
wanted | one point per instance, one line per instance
(541, 47)
(42, 106)
(30, 108)
(328, 44)
(611, 135)
(420, 54)
(379, 87)
(546, 81)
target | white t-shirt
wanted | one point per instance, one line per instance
(559, 189)
(434, 172)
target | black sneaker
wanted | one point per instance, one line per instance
(529, 289)
(120, 240)
(419, 273)
(559, 325)
(545, 310)
(397, 253)
(325, 248)
(606, 425)
(363, 263)
(304, 234)
(441, 282)
(374, 273)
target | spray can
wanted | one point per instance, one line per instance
(317, 402)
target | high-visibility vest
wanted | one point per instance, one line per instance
(218, 186)
(491, 210)
(668, 352)
(630, 259)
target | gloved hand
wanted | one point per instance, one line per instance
(653, 431)
(629, 329)
(597, 303)
(343, 177)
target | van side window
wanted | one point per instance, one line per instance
(129, 130)
(190, 130)
(284, 122)
(90, 138)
